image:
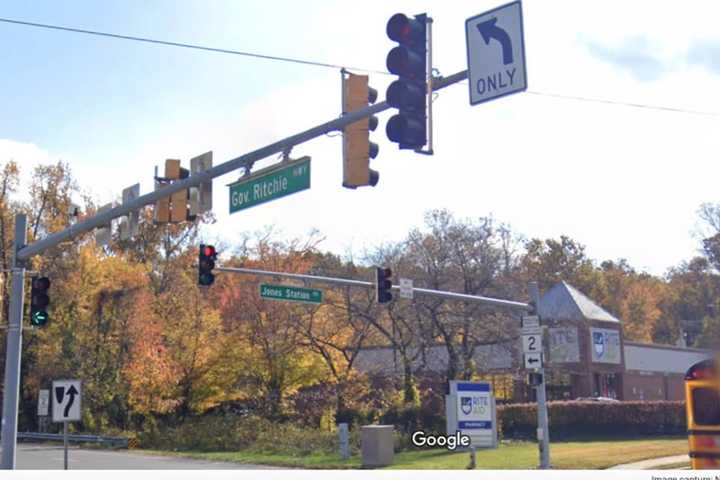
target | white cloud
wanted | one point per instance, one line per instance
(624, 181)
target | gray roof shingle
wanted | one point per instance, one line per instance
(565, 302)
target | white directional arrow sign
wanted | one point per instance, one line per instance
(496, 53)
(533, 361)
(66, 396)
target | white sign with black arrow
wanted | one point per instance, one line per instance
(66, 400)
(533, 361)
(496, 53)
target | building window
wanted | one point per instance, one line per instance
(606, 385)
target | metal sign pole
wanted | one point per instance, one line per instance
(65, 442)
(13, 351)
(543, 431)
(362, 283)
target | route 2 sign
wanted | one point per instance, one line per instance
(496, 53)
(532, 343)
(66, 400)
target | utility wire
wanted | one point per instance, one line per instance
(626, 104)
(618, 102)
(188, 45)
(334, 66)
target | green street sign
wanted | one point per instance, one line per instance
(270, 184)
(293, 294)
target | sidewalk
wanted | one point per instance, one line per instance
(652, 463)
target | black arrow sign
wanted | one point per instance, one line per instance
(532, 360)
(71, 393)
(489, 30)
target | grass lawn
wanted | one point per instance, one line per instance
(588, 454)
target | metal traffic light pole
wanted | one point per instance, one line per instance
(24, 252)
(498, 302)
(243, 161)
(13, 352)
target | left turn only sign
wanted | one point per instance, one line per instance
(496, 53)
(66, 399)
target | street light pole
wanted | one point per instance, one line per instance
(11, 391)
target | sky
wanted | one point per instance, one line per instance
(624, 181)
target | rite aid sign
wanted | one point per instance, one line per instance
(470, 410)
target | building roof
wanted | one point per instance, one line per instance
(565, 302)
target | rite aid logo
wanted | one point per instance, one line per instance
(599, 342)
(473, 405)
(466, 405)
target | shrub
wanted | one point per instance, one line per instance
(573, 419)
(230, 432)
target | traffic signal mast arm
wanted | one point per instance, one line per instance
(498, 302)
(244, 161)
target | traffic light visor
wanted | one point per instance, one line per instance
(403, 61)
(41, 283)
(404, 30)
(405, 130)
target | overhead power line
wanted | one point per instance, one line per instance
(618, 102)
(334, 66)
(188, 45)
(626, 104)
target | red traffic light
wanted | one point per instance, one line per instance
(404, 30)
(206, 262)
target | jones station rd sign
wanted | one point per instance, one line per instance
(294, 294)
(270, 184)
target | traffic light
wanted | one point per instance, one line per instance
(206, 262)
(383, 285)
(357, 147)
(535, 379)
(39, 301)
(409, 93)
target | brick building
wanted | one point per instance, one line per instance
(586, 356)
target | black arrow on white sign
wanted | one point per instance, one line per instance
(72, 391)
(60, 395)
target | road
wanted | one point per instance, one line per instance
(37, 456)
(653, 463)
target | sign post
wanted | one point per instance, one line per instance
(543, 431)
(496, 53)
(66, 399)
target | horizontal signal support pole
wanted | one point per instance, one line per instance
(207, 175)
(498, 302)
